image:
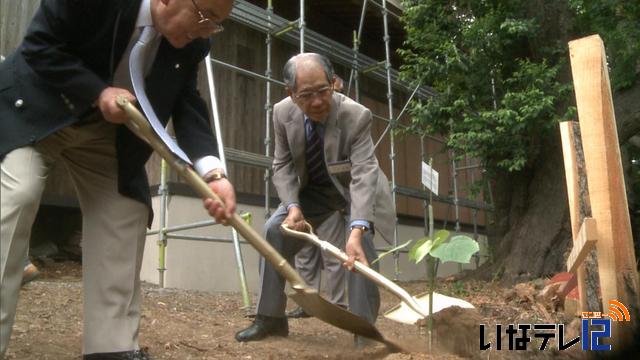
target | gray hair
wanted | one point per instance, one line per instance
(289, 70)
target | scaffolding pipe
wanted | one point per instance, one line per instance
(234, 233)
(302, 26)
(267, 119)
(439, 140)
(356, 48)
(382, 6)
(354, 70)
(204, 238)
(406, 105)
(396, 255)
(190, 226)
(468, 167)
(376, 116)
(454, 174)
(246, 72)
(425, 202)
(397, 118)
(163, 191)
(384, 133)
(254, 17)
(283, 29)
(243, 242)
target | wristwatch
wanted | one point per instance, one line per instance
(213, 176)
(360, 227)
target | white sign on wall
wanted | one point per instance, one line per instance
(429, 178)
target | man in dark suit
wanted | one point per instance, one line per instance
(57, 104)
(324, 170)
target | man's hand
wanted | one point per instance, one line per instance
(354, 249)
(107, 104)
(224, 189)
(295, 219)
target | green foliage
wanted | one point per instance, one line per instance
(500, 68)
(618, 23)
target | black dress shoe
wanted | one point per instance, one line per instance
(298, 313)
(264, 326)
(121, 355)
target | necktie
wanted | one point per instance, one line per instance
(316, 168)
(138, 62)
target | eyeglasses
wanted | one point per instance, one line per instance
(205, 21)
(306, 96)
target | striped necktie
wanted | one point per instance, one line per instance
(316, 168)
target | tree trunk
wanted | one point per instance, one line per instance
(627, 109)
(532, 229)
(530, 235)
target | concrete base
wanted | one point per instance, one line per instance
(212, 266)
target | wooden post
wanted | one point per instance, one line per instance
(616, 259)
(572, 176)
(582, 244)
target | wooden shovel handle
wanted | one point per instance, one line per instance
(368, 272)
(141, 127)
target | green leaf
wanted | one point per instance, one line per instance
(439, 237)
(425, 245)
(391, 251)
(416, 246)
(459, 249)
(419, 251)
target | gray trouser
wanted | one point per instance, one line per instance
(113, 230)
(364, 297)
(310, 261)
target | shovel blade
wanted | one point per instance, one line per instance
(312, 303)
(404, 314)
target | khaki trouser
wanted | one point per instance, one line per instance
(113, 232)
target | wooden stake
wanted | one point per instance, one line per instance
(572, 176)
(582, 244)
(616, 258)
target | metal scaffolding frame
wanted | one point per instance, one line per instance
(295, 32)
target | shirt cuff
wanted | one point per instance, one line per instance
(364, 223)
(292, 205)
(207, 163)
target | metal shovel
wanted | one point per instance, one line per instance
(410, 310)
(307, 298)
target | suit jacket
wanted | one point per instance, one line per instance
(69, 55)
(347, 137)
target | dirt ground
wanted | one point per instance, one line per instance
(179, 324)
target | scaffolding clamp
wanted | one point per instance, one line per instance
(162, 240)
(373, 67)
(247, 217)
(286, 28)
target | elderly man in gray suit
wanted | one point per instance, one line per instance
(325, 170)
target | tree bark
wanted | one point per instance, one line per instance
(627, 109)
(536, 218)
